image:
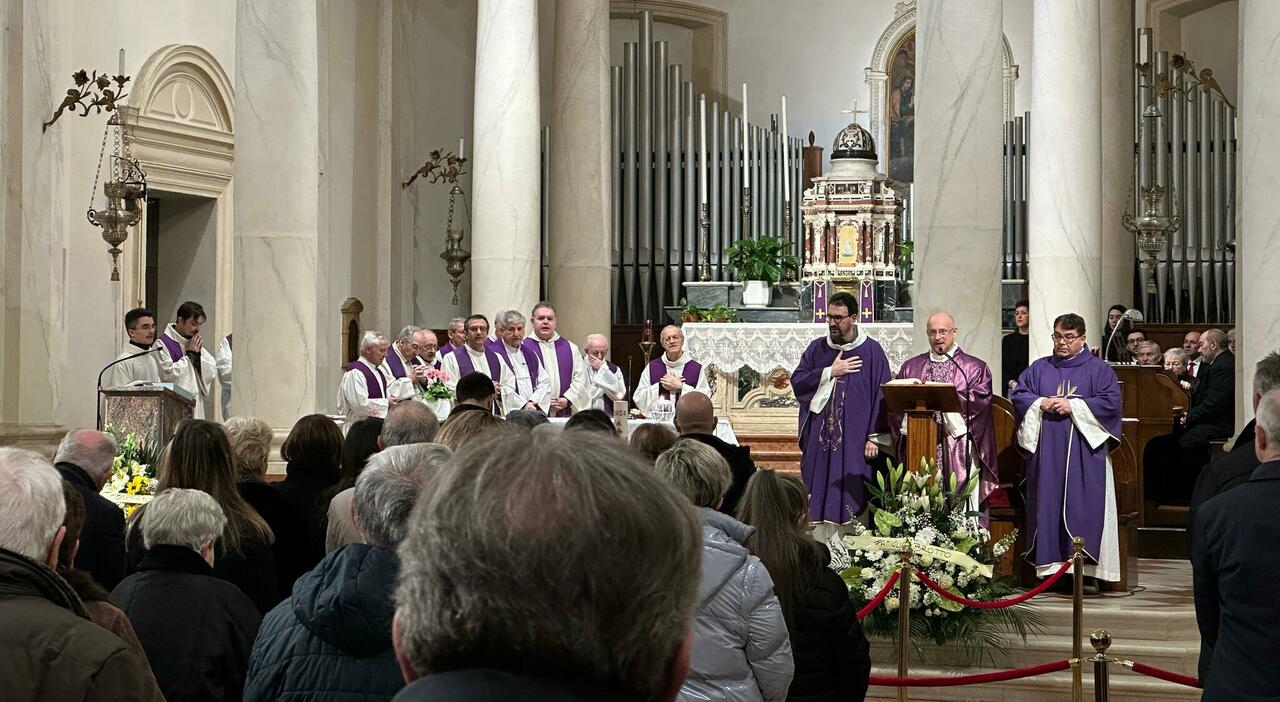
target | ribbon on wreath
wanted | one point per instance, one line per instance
(869, 542)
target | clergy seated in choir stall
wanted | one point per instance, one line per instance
(224, 375)
(363, 390)
(475, 356)
(670, 374)
(529, 388)
(967, 440)
(605, 383)
(842, 415)
(186, 362)
(566, 370)
(457, 336)
(140, 325)
(1068, 408)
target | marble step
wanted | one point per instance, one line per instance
(1123, 623)
(1124, 686)
(1179, 656)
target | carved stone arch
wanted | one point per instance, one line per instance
(877, 74)
(181, 130)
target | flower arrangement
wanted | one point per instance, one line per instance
(952, 548)
(133, 476)
(436, 388)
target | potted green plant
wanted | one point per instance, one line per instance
(719, 313)
(760, 263)
(689, 312)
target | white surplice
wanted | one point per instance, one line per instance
(479, 361)
(523, 390)
(224, 376)
(354, 402)
(576, 392)
(195, 378)
(603, 387)
(647, 393)
(135, 370)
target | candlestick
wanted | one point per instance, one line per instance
(786, 155)
(121, 63)
(702, 143)
(648, 330)
(462, 143)
(704, 224)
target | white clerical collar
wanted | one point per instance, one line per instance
(682, 359)
(555, 336)
(858, 338)
(945, 357)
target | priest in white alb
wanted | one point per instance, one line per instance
(672, 373)
(140, 326)
(186, 362)
(605, 382)
(475, 356)
(566, 369)
(363, 390)
(529, 388)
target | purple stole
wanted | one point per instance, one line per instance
(465, 366)
(564, 364)
(371, 379)
(446, 349)
(175, 349)
(396, 365)
(531, 358)
(692, 369)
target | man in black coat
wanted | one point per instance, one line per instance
(696, 419)
(84, 459)
(1233, 562)
(1171, 463)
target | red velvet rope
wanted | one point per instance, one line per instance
(884, 592)
(978, 678)
(1165, 675)
(995, 604)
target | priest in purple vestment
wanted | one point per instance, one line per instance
(968, 442)
(1069, 416)
(841, 413)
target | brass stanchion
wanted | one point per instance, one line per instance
(904, 617)
(1101, 641)
(1077, 616)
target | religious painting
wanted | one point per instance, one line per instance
(900, 109)
(847, 236)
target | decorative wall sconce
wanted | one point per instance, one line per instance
(447, 168)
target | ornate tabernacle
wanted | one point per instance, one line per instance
(852, 230)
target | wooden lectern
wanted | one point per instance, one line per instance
(152, 413)
(919, 402)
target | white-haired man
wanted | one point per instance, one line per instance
(566, 371)
(84, 460)
(672, 373)
(457, 333)
(530, 388)
(49, 647)
(363, 391)
(605, 382)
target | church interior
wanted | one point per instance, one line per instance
(313, 170)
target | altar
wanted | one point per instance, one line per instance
(750, 366)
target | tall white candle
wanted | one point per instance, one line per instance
(462, 143)
(786, 155)
(746, 134)
(702, 146)
(121, 63)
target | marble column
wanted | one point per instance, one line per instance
(505, 242)
(1116, 37)
(578, 279)
(33, 206)
(276, 195)
(958, 140)
(1064, 220)
(1258, 179)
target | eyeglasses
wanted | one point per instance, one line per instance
(940, 332)
(1066, 337)
(838, 317)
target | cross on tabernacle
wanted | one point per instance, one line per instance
(855, 111)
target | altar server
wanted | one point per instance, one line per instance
(475, 356)
(566, 369)
(529, 387)
(605, 382)
(186, 363)
(363, 391)
(672, 373)
(224, 375)
(140, 325)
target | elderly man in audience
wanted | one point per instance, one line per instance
(531, 512)
(196, 628)
(741, 649)
(363, 391)
(1232, 556)
(84, 460)
(1191, 347)
(605, 383)
(49, 647)
(670, 375)
(332, 638)
(1148, 354)
(1172, 462)
(696, 419)
(1175, 362)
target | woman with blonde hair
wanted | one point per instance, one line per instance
(830, 651)
(461, 428)
(199, 457)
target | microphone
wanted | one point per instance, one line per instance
(102, 372)
(1130, 315)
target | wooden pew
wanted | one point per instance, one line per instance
(1153, 399)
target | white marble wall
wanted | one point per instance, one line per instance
(505, 252)
(579, 270)
(276, 186)
(958, 171)
(33, 352)
(1064, 190)
(1116, 32)
(1258, 237)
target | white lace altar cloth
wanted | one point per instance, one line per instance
(762, 347)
